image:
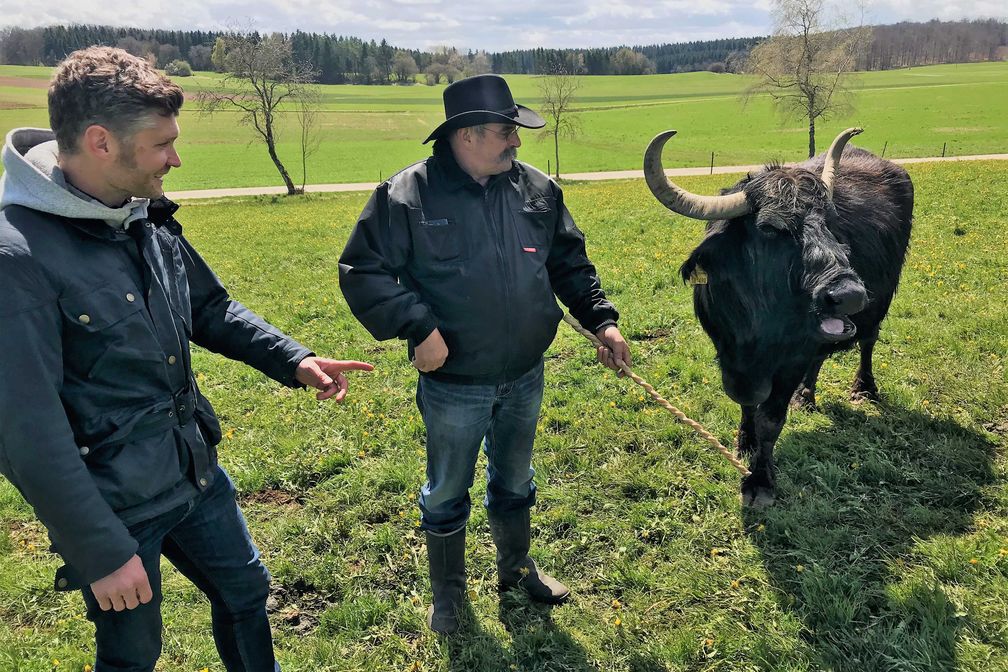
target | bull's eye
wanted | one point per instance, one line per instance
(770, 224)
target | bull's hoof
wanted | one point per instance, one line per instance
(804, 400)
(758, 497)
(861, 392)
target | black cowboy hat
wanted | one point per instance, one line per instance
(479, 100)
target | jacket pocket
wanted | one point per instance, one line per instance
(98, 321)
(207, 420)
(131, 474)
(434, 240)
(535, 224)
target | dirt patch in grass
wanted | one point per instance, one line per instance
(297, 605)
(653, 335)
(11, 105)
(25, 82)
(275, 497)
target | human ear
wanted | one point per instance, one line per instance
(97, 141)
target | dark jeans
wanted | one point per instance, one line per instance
(208, 541)
(459, 418)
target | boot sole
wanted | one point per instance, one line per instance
(551, 601)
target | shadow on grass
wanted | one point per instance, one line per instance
(538, 644)
(842, 543)
(473, 648)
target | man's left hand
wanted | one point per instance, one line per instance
(326, 375)
(614, 348)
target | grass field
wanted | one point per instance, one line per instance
(887, 549)
(372, 131)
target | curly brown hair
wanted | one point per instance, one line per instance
(108, 87)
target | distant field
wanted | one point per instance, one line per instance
(887, 550)
(372, 131)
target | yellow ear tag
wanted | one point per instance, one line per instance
(698, 276)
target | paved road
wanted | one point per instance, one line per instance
(607, 175)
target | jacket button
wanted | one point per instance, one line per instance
(62, 583)
(85, 319)
(203, 482)
(84, 450)
(130, 297)
(171, 359)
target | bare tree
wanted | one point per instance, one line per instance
(261, 75)
(804, 65)
(557, 88)
(308, 104)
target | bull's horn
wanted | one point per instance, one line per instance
(679, 200)
(833, 158)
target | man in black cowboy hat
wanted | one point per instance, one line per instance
(463, 255)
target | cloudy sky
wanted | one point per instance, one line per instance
(469, 25)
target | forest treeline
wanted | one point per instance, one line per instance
(338, 59)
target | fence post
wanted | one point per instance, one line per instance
(712, 163)
(943, 149)
(884, 148)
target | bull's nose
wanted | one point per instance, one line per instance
(845, 298)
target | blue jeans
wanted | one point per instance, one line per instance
(208, 541)
(459, 418)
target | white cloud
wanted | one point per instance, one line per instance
(520, 24)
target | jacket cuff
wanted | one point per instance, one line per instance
(604, 324)
(302, 353)
(95, 559)
(418, 332)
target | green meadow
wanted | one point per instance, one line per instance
(367, 132)
(887, 549)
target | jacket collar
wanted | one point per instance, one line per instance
(159, 213)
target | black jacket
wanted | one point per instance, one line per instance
(433, 248)
(101, 424)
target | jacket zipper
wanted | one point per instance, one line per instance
(501, 257)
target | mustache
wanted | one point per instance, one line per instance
(509, 153)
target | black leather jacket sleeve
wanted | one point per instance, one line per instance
(369, 267)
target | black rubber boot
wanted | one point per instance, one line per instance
(446, 559)
(512, 534)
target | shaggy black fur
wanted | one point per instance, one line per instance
(776, 274)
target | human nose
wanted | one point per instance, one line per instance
(514, 140)
(174, 160)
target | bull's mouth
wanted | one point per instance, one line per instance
(835, 328)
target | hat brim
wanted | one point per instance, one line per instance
(526, 119)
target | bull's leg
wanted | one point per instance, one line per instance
(864, 388)
(804, 397)
(761, 426)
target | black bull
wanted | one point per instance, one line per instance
(797, 263)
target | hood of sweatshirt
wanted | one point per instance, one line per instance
(33, 179)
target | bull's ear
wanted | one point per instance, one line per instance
(694, 270)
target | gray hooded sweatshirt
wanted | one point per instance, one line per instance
(32, 178)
